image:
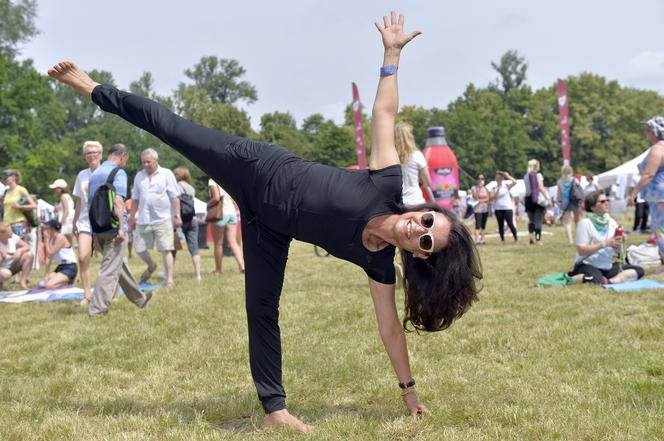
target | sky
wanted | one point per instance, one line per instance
(302, 56)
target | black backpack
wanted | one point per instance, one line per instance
(102, 206)
(187, 211)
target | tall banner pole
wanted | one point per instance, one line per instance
(359, 132)
(564, 122)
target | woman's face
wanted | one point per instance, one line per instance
(602, 205)
(9, 179)
(480, 180)
(92, 156)
(414, 231)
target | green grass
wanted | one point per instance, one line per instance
(575, 363)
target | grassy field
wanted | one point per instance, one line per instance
(575, 363)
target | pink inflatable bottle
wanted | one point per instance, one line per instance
(443, 167)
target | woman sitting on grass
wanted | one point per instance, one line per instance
(356, 215)
(57, 247)
(596, 244)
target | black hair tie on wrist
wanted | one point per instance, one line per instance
(411, 383)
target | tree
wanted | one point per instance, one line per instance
(280, 128)
(144, 86)
(220, 79)
(420, 119)
(334, 145)
(17, 24)
(512, 69)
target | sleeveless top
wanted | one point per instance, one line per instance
(65, 255)
(654, 192)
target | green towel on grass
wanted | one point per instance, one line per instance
(555, 279)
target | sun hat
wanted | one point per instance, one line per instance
(59, 183)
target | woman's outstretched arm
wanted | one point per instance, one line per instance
(392, 334)
(386, 104)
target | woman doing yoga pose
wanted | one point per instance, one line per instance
(356, 215)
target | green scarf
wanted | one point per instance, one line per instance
(600, 222)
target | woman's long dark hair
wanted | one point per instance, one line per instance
(440, 289)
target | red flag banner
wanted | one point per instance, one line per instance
(359, 132)
(564, 122)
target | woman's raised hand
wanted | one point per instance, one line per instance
(392, 32)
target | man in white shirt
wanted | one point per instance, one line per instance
(155, 197)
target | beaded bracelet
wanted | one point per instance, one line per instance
(408, 390)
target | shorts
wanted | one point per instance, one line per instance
(84, 227)
(67, 228)
(68, 269)
(159, 235)
(228, 219)
(190, 231)
(480, 220)
(14, 267)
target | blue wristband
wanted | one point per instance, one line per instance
(388, 70)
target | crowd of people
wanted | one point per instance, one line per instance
(154, 219)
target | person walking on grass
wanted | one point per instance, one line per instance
(154, 197)
(189, 226)
(652, 180)
(536, 201)
(569, 208)
(481, 210)
(64, 208)
(92, 153)
(111, 244)
(356, 215)
(224, 227)
(504, 205)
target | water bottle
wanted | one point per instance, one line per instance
(181, 235)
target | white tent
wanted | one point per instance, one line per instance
(629, 170)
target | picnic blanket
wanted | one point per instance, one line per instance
(637, 285)
(554, 279)
(55, 295)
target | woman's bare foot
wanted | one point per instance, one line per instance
(281, 418)
(70, 74)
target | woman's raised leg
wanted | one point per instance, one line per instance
(207, 148)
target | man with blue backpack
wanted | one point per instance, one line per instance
(107, 193)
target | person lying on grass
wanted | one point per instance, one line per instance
(356, 215)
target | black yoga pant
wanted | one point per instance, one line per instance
(600, 276)
(503, 216)
(535, 218)
(480, 220)
(641, 212)
(233, 163)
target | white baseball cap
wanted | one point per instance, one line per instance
(58, 183)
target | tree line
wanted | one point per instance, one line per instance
(495, 127)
